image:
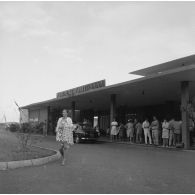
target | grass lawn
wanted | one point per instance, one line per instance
(10, 150)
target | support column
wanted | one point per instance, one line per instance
(73, 110)
(112, 107)
(184, 114)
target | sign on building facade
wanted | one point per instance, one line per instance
(81, 89)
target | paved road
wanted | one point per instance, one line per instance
(107, 168)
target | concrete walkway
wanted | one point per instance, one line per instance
(108, 140)
(106, 168)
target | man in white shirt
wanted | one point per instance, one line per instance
(146, 127)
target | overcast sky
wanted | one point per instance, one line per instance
(53, 46)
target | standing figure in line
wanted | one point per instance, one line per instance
(165, 133)
(138, 127)
(155, 131)
(122, 132)
(108, 132)
(130, 130)
(135, 130)
(171, 132)
(64, 133)
(146, 128)
(114, 130)
(177, 132)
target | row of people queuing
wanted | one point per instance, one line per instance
(167, 132)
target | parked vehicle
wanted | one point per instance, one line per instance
(84, 132)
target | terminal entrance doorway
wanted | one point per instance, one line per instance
(104, 124)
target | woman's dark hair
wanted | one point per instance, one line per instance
(65, 110)
(68, 113)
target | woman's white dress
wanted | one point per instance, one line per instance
(114, 130)
(64, 130)
(165, 131)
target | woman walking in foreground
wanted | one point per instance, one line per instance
(64, 133)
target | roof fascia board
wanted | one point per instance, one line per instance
(171, 71)
(161, 67)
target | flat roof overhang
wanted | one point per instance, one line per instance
(150, 90)
(185, 61)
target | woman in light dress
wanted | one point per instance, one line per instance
(139, 130)
(114, 129)
(130, 130)
(165, 133)
(64, 133)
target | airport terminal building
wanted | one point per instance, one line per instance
(165, 90)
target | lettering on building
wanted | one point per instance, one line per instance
(81, 89)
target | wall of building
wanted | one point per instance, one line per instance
(43, 115)
(24, 116)
(33, 115)
(39, 115)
